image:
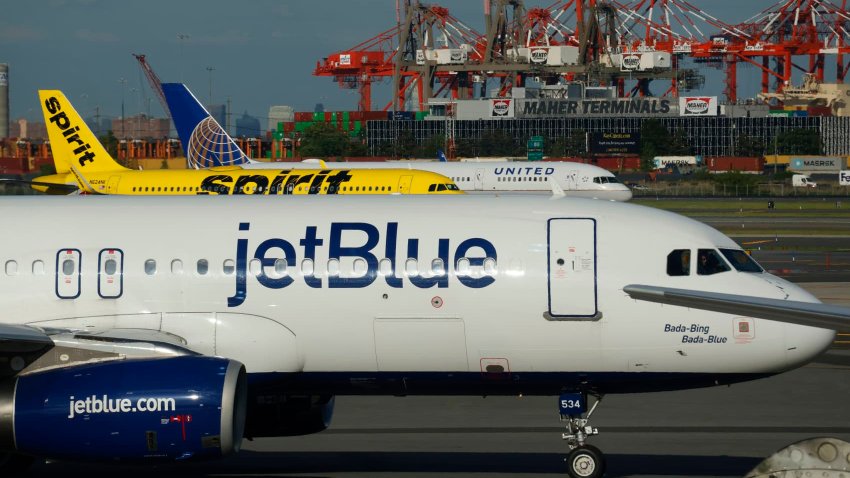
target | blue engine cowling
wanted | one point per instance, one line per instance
(177, 408)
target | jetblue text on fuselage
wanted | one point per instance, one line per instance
(344, 240)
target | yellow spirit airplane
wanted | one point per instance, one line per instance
(80, 158)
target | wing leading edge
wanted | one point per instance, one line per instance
(794, 312)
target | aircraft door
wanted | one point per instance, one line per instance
(110, 273)
(68, 273)
(572, 268)
(112, 185)
(404, 184)
(571, 181)
(479, 179)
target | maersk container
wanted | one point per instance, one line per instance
(736, 163)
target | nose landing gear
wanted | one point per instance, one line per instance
(583, 460)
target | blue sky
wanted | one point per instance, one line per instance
(263, 51)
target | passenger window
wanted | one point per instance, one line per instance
(254, 267)
(490, 266)
(411, 268)
(176, 266)
(11, 268)
(202, 267)
(280, 267)
(679, 263)
(38, 268)
(385, 267)
(150, 267)
(462, 267)
(709, 262)
(333, 267)
(307, 267)
(110, 267)
(228, 267)
(359, 267)
(438, 268)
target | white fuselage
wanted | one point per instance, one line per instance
(576, 179)
(397, 288)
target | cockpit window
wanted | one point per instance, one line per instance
(605, 180)
(741, 261)
(679, 263)
(709, 262)
(452, 187)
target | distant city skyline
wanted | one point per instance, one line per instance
(256, 54)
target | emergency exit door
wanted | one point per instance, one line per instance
(404, 184)
(572, 268)
(68, 273)
(112, 185)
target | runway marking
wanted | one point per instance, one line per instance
(751, 243)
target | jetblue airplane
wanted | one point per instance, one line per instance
(128, 347)
(207, 144)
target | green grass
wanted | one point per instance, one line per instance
(730, 209)
(749, 207)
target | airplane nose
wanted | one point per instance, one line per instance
(623, 195)
(803, 344)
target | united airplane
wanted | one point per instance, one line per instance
(128, 347)
(79, 157)
(208, 145)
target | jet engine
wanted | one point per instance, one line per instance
(176, 408)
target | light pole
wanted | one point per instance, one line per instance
(123, 87)
(181, 37)
(210, 70)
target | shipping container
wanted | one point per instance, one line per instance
(820, 111)
(302, 126)
(346, 116)
(374, 115)
(800, 114)
(735, 163)
(303, 116)
(318, 117)
(288, 127)
(14, 165)
(787, 158)
(356, 115)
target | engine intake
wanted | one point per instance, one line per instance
(188, 407)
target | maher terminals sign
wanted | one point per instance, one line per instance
(596, 107)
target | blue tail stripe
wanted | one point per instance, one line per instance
(205, 142)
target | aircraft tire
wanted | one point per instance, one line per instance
(12, 464)
(586, 462)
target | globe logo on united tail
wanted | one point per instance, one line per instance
(210, 146)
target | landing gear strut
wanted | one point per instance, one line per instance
(583, 460)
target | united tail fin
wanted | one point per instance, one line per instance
(205, 142)
(73, 144)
